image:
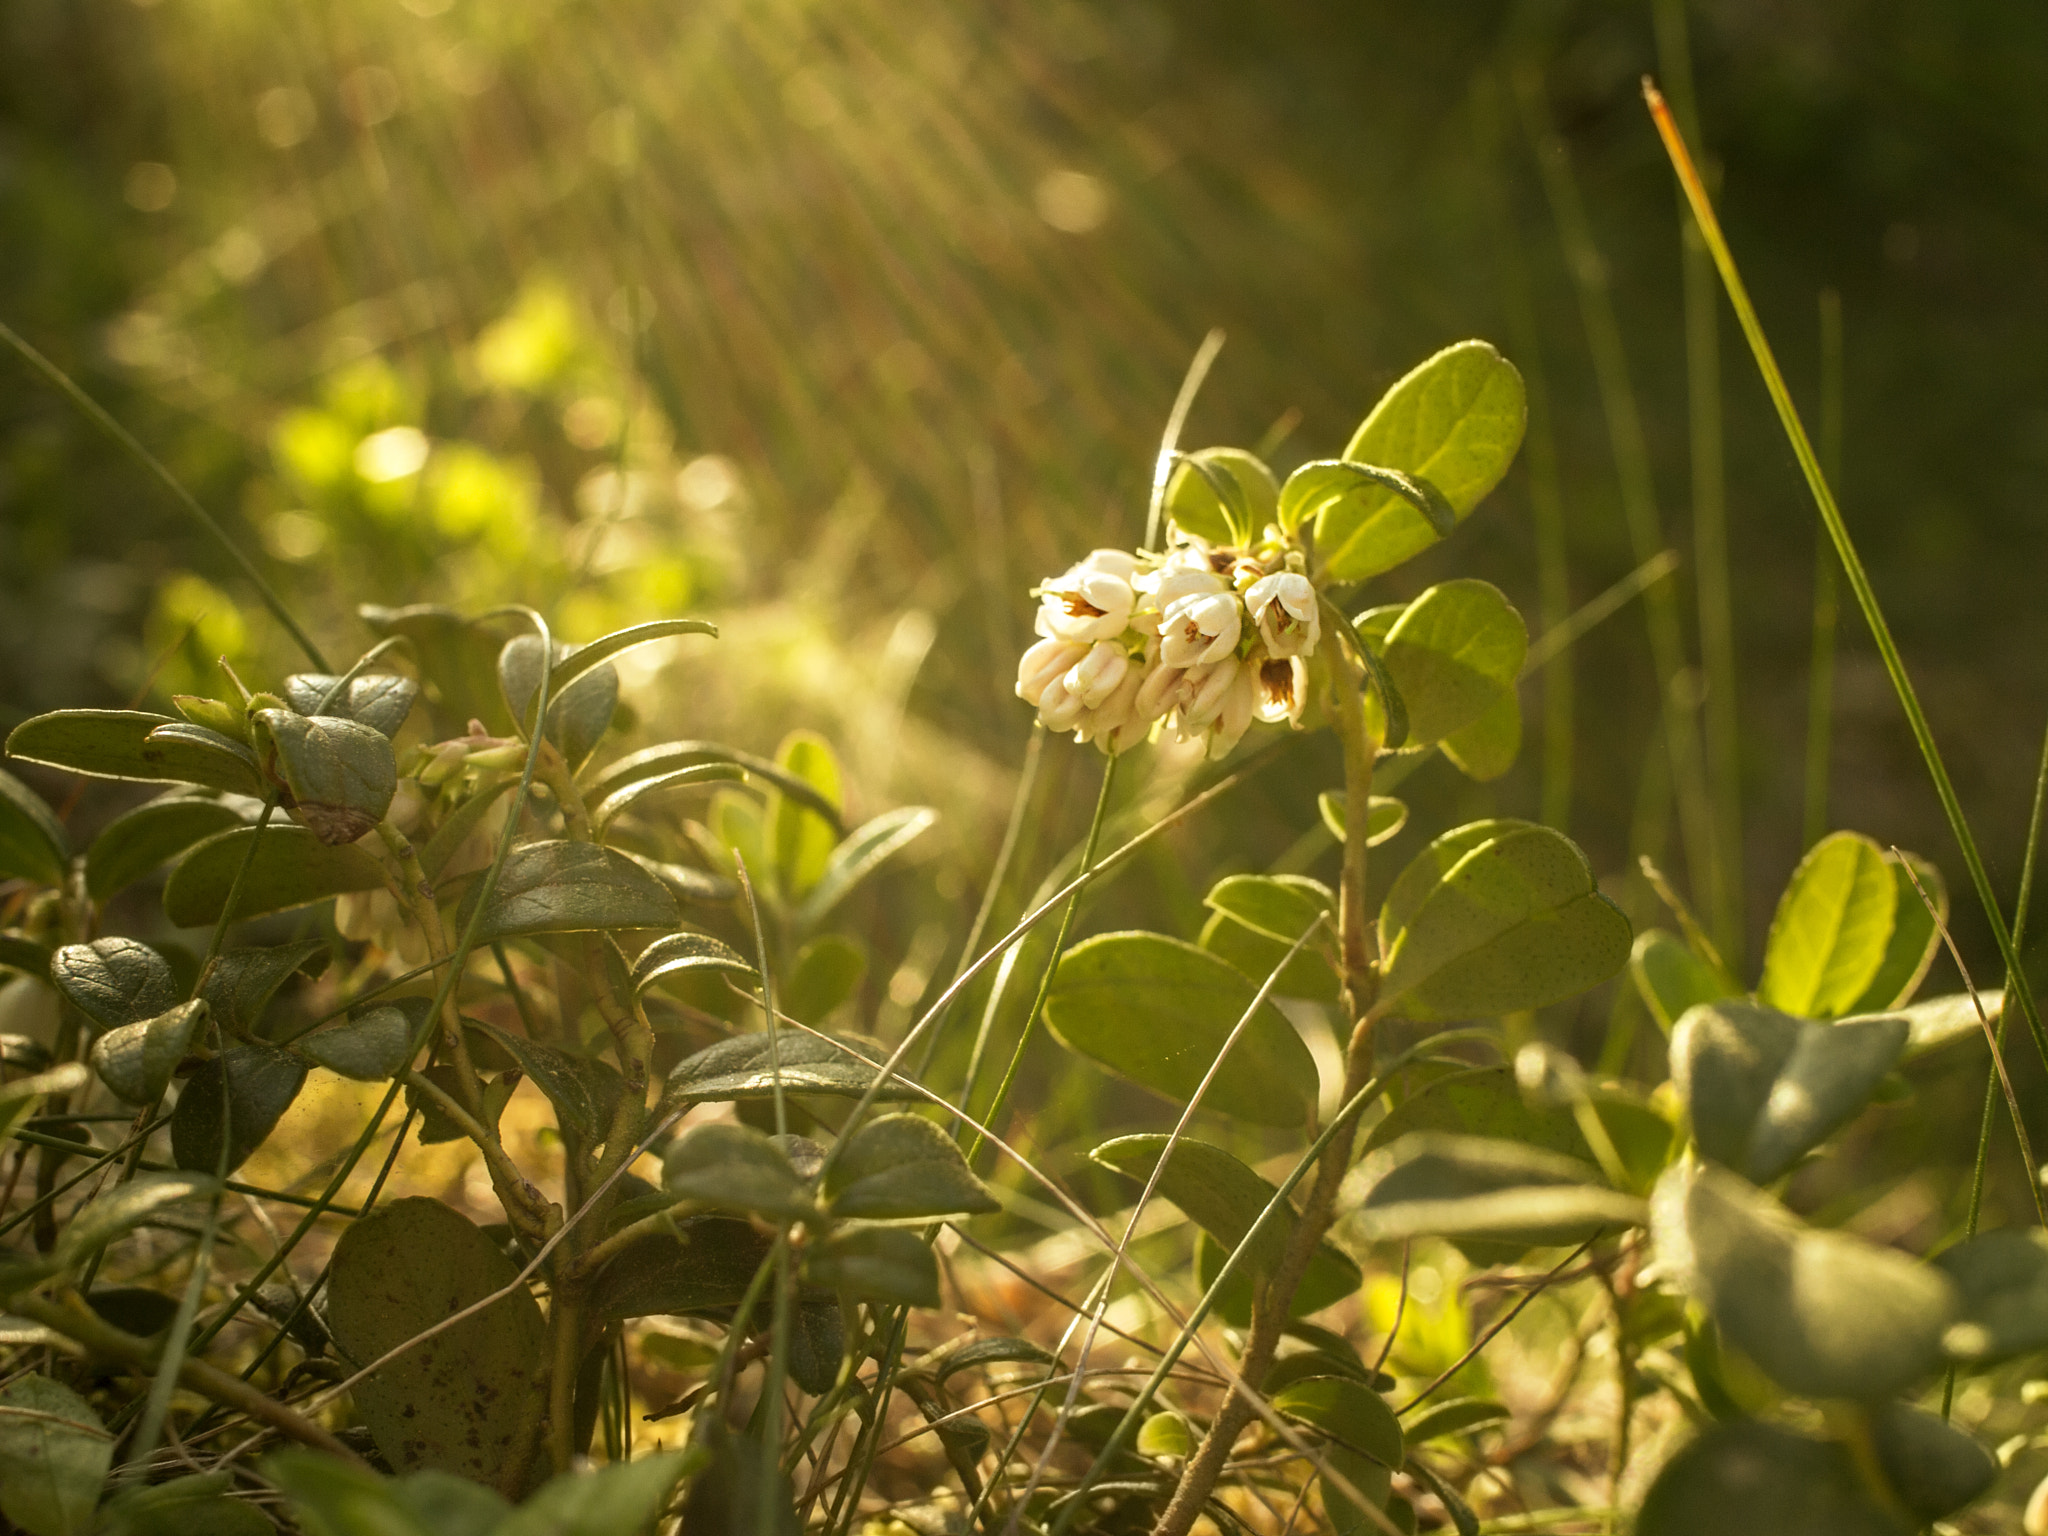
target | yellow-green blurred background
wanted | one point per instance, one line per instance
(844, 323)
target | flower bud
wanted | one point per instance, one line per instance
(1042, 663)
(1283, 606)
(443, 762)
(1199, 629)
(1057, 707)
(1096, 676)
(1235, 717)
(1204, 690)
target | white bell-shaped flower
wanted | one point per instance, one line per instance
(1282, 688)
(1042, 663)
(1096, 675)
(1199, 629)
(1092, 601)
(1283, 606)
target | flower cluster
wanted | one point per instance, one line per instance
(1202, 640)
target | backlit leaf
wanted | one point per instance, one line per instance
(1366, 1444)
(865, 849)
(1384, 816)
(799, 841)
(608, 809)
(1914, 942)
(1487, 747)
(1832, 929)
(1670, 978)
(1158, 1011)
(677, 955)
(672, 756)
(828, 972)
(1454, 653)
(1223, 495)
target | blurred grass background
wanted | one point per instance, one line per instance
(843, 324)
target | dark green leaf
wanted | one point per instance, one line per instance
(292, 868)
(1670, 978)
(136, 1060)
(341, 774)
(1932, 1466)
(742, 1492)
(1365, 1441)
(1158, 1011)
(967, 1353)
(138, 842)
(470, 1399)
(581, 704)
(114, 981)
(1777, 1482)
(670, 756)
(331, 1498)
(1915, 938)
(1832, 929)
(566, 887)
(708, 1268)
(1458, 1416)
(454, 832)
(1429, 1184)
(21, 953)
(827, 973)
(32, 840)
(582, 658)
(678, 955)
(250, 1086)
(127, 1206)
(864, 851)
(1492, 918)
(1338, 486)
(1822, 1313)
(736, 1168)
(1455, 421)
(54, 1455)
(243, 981)
(1224, 1198)
(380, 700)
(1764, 1089)
(884, 1264)
(128, 744)
(608, 809)
(2002, 1278)
(742, 1068)
(584, 1090)
(369, 1047)
(1454, 653)
(900, 1167)
(623, 1499)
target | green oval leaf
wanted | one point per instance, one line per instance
(1281, 907)
(1224, 1198)
(1384, 816)
(1487, 747)
(1455, 421)
(1823, 1314)
(1496, 917)
(584, 1091)
(1670, 978)
(129, 744)
(1916, 938)
(1429, 1184)
(240, 1095)
(607, 810)
(1458, 1416)
(114, 981)
(1455, 654)
(54, 1456)
(1780, 1483)
(1932, 1466)
(828, 972)
(292, 868)
(568, 887)
(32, 840)
(860, 855)
(243, 981)
(2002, 1278)
(798, 840)
(580, 706)
(369, 1047)
(1832, 929)
(1366, 1444)
(671, 756)
(380, 700)
(676, 955)
(341, 774)
(470, 1399)
(136, 1060)
(707, 1268)
(20, 1098)
(1308, 974)
(1222, 495)
(138, 842)
(736, 1168)
(744, 1067)
(1764, 1089)
(901, 1168)
(122, 1209)
(1158, 1011)
(886, 1264)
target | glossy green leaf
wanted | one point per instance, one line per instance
(128, 744)
(900, 1168)
(608, 809)
(706, 1268)
(623, 1499)
(1223, 495)
(2002, 1279)
(340, 774)
(827, 974)
(32, 840)
(1764, 1089)
(139, 842)
(1365, 1441)
(1384, 816)
(1832, 929)
(581, 704)
(114, 981)
(1823, 1313)
(744, 1068)
(1933, 1467)
(1309, 974)
(675, 956)
(380, 700)
(584, 1091)
(370, 1046)
(243, 981)
(20, 1097)
(798, 840)
(1670, 978)
(470, 1399)
(1915, 940)
(729, 1167)
(672, 756)
(54, 1456)
(1454, 654)
(1167, 1436)
(1514, 921)
(1256, 920)
(1459, 1416)
(1487, 747)
(125, 1207)
(864, 851)
(1455, 421)
(240, 1095)
(1224, 1198)
(1773, 1481)
(292, 868)
(566, 887)
(881, 1264)
(1158, 1011)
(136, 1060)
(1430, 1184)
(1337, 487)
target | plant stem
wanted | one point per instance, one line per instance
(1820, 677)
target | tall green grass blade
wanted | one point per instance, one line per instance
(1852, 562)
(1820, 675)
